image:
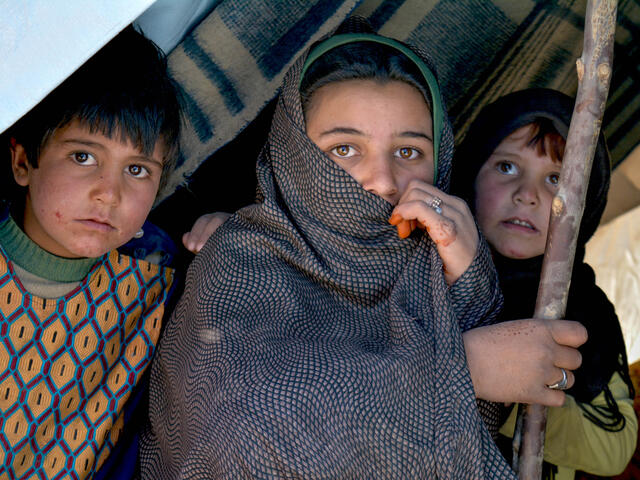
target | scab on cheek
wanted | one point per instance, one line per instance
(58, 215)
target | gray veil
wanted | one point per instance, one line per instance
(312, 342)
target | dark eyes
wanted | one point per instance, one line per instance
(138, 171)
(407, 153)
(83, 158)
(135, 170)
(343, 151)
(507, 168)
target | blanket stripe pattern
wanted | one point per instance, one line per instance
(232, 64)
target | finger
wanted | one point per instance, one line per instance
(567, 357)
(555, 376)
(542, 395)
(552, 398)
(571, 379)
(417, 190)
(200, 237)
(556, 398)
(567, 332)
(440, 228)
(188, 242)
(200, 226)
(200, 243)
(404, 227)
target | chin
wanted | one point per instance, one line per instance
(514, 253)
(89, 251)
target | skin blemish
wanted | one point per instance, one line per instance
(445, 233)
(58, 215)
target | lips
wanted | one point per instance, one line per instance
(98, 224)
(520, 223)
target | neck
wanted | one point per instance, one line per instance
(22, 251)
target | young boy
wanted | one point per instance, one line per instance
(80, 320)
(508, 169)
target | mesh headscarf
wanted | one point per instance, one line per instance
(312, 342)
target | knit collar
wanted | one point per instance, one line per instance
(24, 252)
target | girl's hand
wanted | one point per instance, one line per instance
(452, 228)
(515, 361)
(202, 229)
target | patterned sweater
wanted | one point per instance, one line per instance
(68, 365)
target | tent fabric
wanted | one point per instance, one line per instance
(42, 42)
(614, 253)
(166, 22)
(232, 64)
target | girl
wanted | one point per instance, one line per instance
(312, 341)
(508, 169)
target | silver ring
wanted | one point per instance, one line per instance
(435, 204)
(562, 384)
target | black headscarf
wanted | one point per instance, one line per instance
(604, 353)
(312, 342)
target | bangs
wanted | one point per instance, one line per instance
(546, 140)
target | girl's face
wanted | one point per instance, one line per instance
(380, 133)
(514, 189)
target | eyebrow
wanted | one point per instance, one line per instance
(89, 143)
(355, 131)
(502, 153)
(412, 134)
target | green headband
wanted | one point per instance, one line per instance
(432, 83)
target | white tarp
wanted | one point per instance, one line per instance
(614, 254)
(43, 41)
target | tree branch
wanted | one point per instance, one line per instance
(594, 75)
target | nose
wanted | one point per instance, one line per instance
(378, 177)
(107, 187)
(526, 193)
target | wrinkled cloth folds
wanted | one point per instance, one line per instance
(312, 342)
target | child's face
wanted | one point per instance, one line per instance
(514, 190)
(381, 134)
(90, 193)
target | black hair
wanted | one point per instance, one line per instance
(361, 61)
(124, 90)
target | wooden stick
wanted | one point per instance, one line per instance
(594, 74)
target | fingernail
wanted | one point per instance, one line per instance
(395, 219)
(404, 229)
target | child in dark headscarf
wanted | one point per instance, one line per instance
(312, 341)
(508, 169)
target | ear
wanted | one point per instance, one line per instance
(19, 164)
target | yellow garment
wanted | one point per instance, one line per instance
(573, 442)
(69, 365)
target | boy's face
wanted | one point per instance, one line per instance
(514, 189)
(381, 134)
(90, 193)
